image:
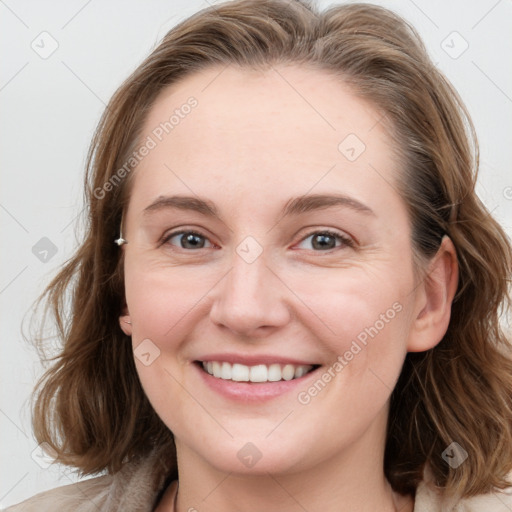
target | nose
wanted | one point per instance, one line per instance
(251, 300)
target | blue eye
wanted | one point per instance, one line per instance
(323, 240)
(327, 240)
(188, 240)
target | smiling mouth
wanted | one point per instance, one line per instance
(259, 373)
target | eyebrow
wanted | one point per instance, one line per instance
(307, 203)
(294, 206)
(183, 203)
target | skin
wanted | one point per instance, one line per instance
(252, 143)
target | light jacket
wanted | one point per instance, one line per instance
(137, 487)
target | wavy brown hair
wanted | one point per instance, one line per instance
(90, 407)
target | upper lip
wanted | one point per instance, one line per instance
(253, 360)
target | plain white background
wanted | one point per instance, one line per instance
(50, 105)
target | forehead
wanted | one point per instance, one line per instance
(285, 128)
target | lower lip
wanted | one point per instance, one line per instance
(252, 391)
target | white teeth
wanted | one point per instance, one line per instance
(288, 372)
(274, 372)
(225, 371)
(240, 373)
(216, 370)
(259, 373)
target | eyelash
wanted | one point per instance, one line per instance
(346, 241)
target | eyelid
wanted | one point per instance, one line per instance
(181, 231)
(346, 240)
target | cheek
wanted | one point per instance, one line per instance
(353, 305)
(161, 300)
(163, 305)
(356, 310)
(362, 319)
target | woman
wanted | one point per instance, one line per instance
(288, 295)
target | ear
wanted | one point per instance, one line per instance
(434, 297)
(125, 322)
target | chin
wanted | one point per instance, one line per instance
(257, 458)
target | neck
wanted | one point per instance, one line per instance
(351, 480)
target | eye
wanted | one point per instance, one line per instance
(326, 240)
(187, 240)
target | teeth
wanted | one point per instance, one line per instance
(288, 372)
(274, 372)
(216, 370)
(225, 371)
(239, 372)
(259, 373)
(299, 372)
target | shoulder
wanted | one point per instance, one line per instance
(134, 488)
(429, 499)
(78, 497)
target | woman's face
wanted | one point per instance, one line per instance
(267, 240)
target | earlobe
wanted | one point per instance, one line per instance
(125, 323)
(434, 299)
